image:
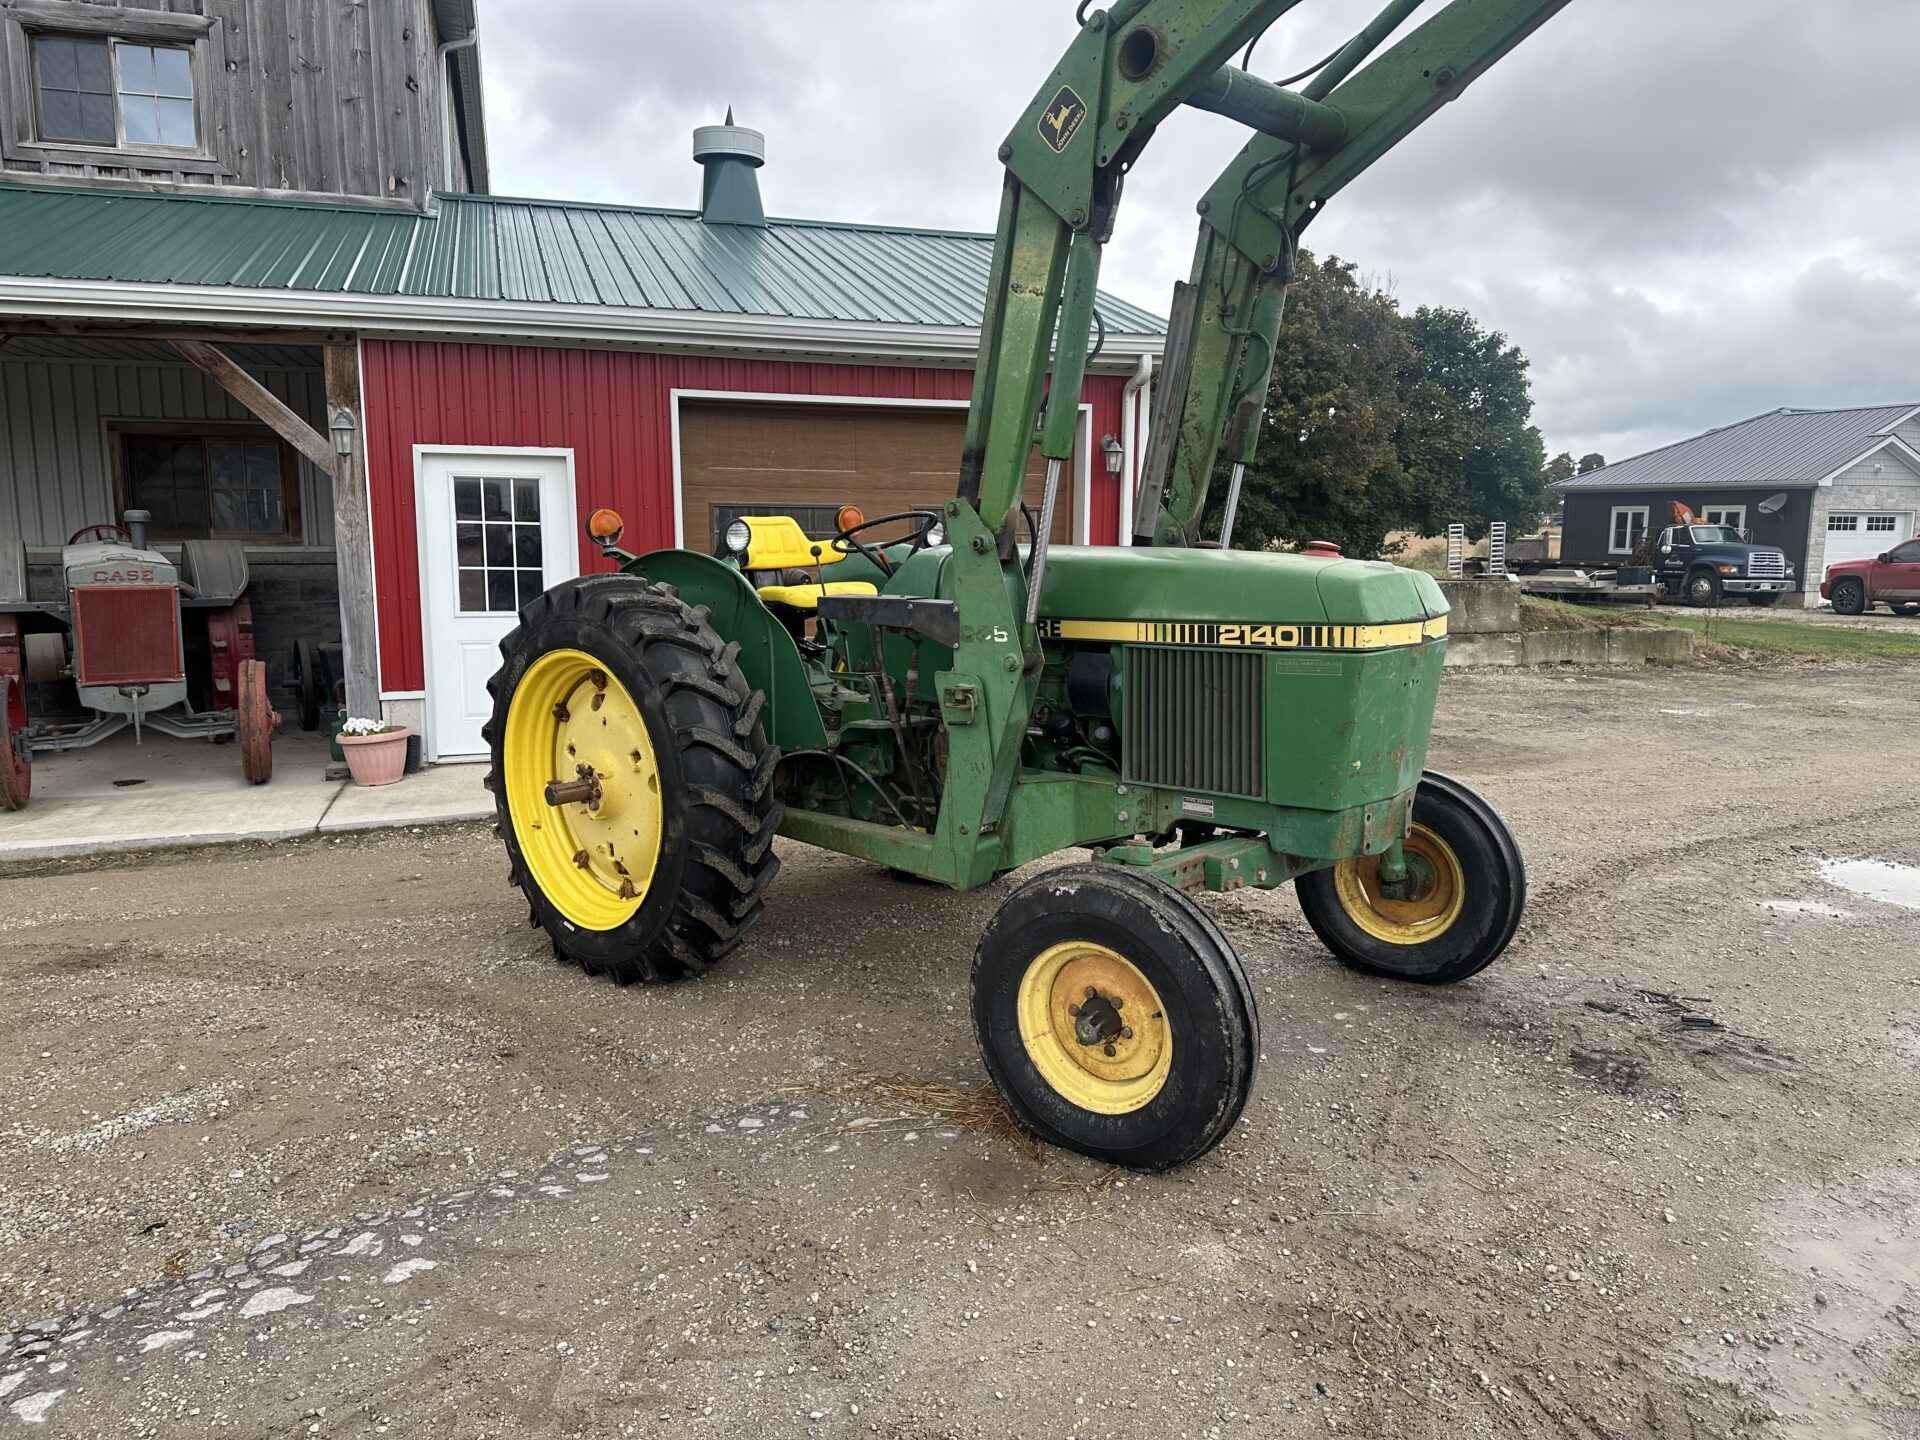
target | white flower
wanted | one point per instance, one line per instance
(357, 726)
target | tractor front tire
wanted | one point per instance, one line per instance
(1114, 1017)
(1462, 907)
(16, 764)
(615, 686)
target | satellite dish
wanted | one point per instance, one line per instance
(1774, 503)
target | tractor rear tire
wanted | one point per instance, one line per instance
(615, 681)
(1100, 946)
(255, 721)
(16, 763)
(307, 682)
(1456, 925)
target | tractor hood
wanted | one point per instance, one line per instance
(109, 562)
(1106, 582)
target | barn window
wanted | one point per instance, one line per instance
(121, 93)
(1628, 527)
(237, 484)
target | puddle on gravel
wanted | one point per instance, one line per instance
(1876, 879)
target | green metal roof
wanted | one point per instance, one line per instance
(490, 248)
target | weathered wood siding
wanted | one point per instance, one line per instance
(320, 96)
(55, 468)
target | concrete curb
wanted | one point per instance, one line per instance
(1625, 645)
(12, 855)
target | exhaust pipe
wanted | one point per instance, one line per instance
(136, 522)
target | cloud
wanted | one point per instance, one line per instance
(1684, 213)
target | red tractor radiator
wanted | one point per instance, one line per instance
(126, 635)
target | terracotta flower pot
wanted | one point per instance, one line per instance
(376, 759)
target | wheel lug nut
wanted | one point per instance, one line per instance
(1109, 1048)
(1126, 1032)
(1074, 1010)
(1092, 993)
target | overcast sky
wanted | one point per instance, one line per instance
(1684, 211)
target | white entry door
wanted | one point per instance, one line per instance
(496, 528)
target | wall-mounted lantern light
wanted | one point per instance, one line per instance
(342, 427)
(1114, 455)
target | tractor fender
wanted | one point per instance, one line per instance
(216, 569)
(768, 657)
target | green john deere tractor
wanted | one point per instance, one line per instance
(946, 694)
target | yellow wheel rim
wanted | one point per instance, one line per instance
(1076, 989)
(1430, 910)
(569, 721)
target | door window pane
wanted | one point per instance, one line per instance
(526, 546)
(74, 77)
(526, 499)
(498, 495)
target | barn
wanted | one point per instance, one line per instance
(491, 370)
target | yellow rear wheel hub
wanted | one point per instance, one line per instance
(570, 722)
(1094, 1027)
(1422, 910)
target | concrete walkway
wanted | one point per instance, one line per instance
(120, 796)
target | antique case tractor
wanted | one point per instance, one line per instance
(146, 643)
(944, 693)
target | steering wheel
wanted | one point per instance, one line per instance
(924, 523)
(100, 532)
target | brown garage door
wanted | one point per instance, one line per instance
(742, 457)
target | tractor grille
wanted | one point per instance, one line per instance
(1767, 565)
(1193, 720)
(126, 634)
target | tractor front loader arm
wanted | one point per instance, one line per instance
(1066, 162)
(1252, 217)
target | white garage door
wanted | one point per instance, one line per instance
(1863, 534)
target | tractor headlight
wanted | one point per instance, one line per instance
(936, 534)
(739, 537)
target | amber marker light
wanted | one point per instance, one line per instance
(605, 526)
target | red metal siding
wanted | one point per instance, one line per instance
(614, 410)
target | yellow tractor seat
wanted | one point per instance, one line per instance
(778, 543)
(808, 597)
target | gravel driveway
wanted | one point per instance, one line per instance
(317, 1139)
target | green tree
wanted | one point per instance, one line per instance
(1592, 461)
(1561, 467)
(1466, 445)
(1327, 467)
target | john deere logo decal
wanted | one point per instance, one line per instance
(1061, 120)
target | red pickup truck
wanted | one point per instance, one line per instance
(1891, 579)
